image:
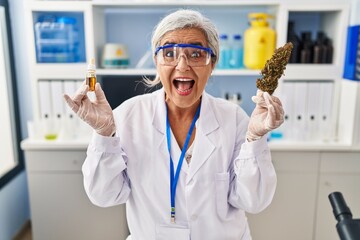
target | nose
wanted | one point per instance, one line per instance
(182, 63)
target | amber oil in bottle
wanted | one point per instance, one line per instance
(91, 75)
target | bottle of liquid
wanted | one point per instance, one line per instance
(294, 39)
(306, 53)
(224, 57)
(259, 41)
(236, 58)
(329, 50)
(319, 48)
(91, 75)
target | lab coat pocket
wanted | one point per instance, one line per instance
(222, 189)
(173, 232)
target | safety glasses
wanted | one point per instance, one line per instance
(196, 56)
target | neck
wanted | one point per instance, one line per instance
(180, 114)
(180, 120)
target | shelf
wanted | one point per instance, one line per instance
(292, 72)
(109, 3)
(125, 72)
(30, 144)
(146, 72)
(60, 70)
(311, 146)
(312, 72)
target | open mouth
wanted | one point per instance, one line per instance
(183, 86)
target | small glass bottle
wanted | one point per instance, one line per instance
(91, 75)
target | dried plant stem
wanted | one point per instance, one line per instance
(274, 69)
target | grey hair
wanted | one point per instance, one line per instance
(182, 19)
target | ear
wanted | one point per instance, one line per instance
(155, 60)
(212, 65)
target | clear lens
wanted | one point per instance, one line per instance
(195, 57)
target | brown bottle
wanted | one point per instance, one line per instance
(91, 75)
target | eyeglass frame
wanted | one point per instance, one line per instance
(184, 45)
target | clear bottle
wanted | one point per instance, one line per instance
(236, 57)
(91, 75)
(224, 56)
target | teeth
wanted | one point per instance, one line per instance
(183, 79)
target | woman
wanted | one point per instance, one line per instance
(187, 165)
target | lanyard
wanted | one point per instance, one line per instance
(174, 179)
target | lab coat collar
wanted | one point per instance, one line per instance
(206, 124)
(207, 121)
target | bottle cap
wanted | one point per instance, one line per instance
(91, 66)
(223, 36)
(237, 37)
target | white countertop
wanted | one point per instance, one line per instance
(38, 144)
(81, 144)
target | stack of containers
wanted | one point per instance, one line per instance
(57, 40)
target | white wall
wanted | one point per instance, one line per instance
(14, 200)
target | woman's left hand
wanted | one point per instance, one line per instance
(267, 115)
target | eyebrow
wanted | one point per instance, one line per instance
(193, 43)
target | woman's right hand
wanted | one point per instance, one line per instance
(98, 114)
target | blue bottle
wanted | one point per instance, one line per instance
(224, 55)
(237, 52)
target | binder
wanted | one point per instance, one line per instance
(58, 105)
(313, 111)
(44, 99)
(286, 96)
(70, 87)
(300, 108)
(70, 123)
(327, 130)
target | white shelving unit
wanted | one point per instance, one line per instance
(299, 164)
(131, 23)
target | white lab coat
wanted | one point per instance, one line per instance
(227, 176)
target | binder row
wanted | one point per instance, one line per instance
(308, 107)
(58, 121)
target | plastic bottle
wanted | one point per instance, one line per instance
(224, 57)
(91, 75)
(259, 41)
(236, 58)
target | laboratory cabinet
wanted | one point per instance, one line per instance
(339, 172)
(291, 214)
(301, 209)
(60, 208)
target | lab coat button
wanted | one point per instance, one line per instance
(193, 217)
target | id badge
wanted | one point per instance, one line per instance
(173, 232)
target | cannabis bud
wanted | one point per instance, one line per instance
(274, 69)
